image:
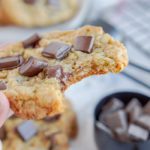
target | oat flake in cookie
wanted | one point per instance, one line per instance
(47, 65)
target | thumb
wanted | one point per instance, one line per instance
(4, 108)
(0, 145)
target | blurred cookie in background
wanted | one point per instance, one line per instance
(53, 133)
(36, 13)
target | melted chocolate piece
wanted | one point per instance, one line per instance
(54, 71)
(137, 133)
(56, 50)
(32, 67)
(2, 85)
(57, 72)
(31, 2)
(31, 41)
(84, 43)
(27, 130)
(2, 133)
(10, 62)
(53, 118)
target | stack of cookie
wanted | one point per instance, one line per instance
(51, 133)
(36, 13)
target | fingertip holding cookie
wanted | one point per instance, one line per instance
(4, 108)
(0, 145)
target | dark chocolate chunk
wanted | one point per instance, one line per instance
(31, 41)
(147, 108)
(84, 43)
(144, 121)
(137, 133)
(133, 109)
(2, 85)
(32, 67)
(56, 50)
(117, 120)
(57, 72)
(30, 1)
(122, 136)
(54, 71)
(112, 105)
(104, 128)
(3, 133)
(66, 76)
(27, 130)
(10, 62)
(53, 118)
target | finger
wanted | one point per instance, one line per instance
(4, 108)
(0, 145)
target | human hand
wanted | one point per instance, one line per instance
(5, 111)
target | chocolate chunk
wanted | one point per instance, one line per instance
(122, 136)
(137, 133)
(10, 62)
(113, 104)
(147, 108)
(2, 133)
(32, 67)
(104, 128)
(133, 109)
(2, 85)
(57, 72)
(117, 120)
(54, 71)
(56, 50)
(31, 41)
(53, 118)
(30, 1)
(66, 76)
(27, 130)
(84, 43)
(144, 121)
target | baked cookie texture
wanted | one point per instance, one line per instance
(51, 133)
(37, 13)
(70, 57)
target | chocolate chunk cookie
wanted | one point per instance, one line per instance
(47, 134)
(36, 71)
(37, 13)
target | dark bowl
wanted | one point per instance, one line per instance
(103, 140)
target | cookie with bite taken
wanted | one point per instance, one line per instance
(35, 72)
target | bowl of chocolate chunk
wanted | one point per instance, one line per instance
(122, 122)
